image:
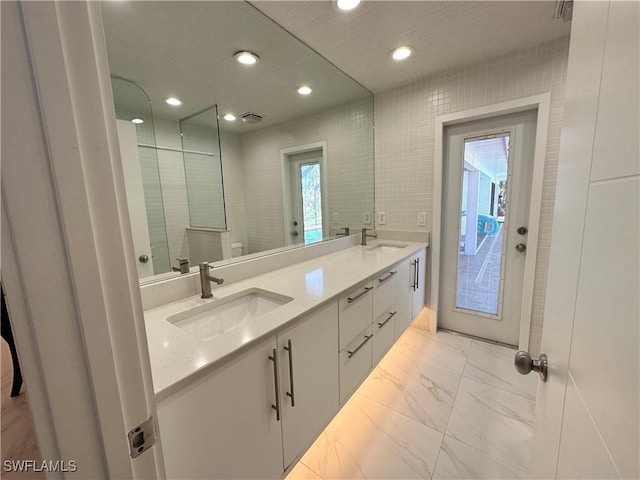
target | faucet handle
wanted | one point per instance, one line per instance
(182, 261)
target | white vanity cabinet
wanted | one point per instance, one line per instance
(309, 386)
(410, 290)
(355, 312)
(383, 333)
(223, 425)
(355, 363)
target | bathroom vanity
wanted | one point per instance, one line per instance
(245, 381)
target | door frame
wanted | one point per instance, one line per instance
(285, 174)
(541, 103)
(68, 259)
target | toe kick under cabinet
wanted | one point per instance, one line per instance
(258, 411)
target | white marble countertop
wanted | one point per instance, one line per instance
(176, 354)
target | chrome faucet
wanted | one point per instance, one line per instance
(206, 279)
(184, 266)
(346, 232)
(365, 235)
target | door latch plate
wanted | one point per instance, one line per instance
(142, 437)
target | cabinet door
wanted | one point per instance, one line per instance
(384, 292)
(419, 270)
(308, 378)
(404, 296)
(383, 333)
(223, 424)
(355, 363)
(355, 312)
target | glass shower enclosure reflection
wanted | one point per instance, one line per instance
(174, 185)
(142, 176)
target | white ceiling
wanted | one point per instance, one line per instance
(185, 49)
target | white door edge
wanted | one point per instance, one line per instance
(82, 315)
(541, 103)
(285, 175)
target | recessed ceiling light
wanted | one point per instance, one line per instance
(137, 120)
(246, 58)
(401, 53)
(229, 117)
(347, 4)
(173, 101)
(304, 90)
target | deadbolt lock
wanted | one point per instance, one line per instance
(522, 230)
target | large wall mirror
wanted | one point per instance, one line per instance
(245, 165)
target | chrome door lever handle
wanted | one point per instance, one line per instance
(525, 364)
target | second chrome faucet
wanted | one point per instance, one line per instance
(206, 279)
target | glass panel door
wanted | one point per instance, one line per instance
(311, 202)
(483, 211)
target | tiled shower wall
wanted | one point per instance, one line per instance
(347, 131)
(405, 132)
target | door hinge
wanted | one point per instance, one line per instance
(142, 437)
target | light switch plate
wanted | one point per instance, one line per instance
(382, 218)
(367, 218)
(422, 219)
(336, 218)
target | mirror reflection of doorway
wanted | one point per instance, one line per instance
(306, 191)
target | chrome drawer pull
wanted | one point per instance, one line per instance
(366, 339)
(366, 290)
(290, 394)
(391, 274)
(274, 358)
(380, 325)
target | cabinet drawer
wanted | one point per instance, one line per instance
(355, 313)
(384, 292)
(383, 333)
(355, 363)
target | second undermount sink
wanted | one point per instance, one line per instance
(385, 247)
(221, 316)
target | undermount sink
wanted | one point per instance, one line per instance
(386, 247)
(221, 316)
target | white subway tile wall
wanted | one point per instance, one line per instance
(234, 191)
(203, 172)
(347, 129)
(208, 245)
(405, 132)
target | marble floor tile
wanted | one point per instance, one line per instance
(369, 440)
(302, 472)
(440, 349)
(460, 461)
(423, 392)
(492, 420)
(493, 365)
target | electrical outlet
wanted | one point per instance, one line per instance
(382, 218)
(367, 218)
(422, 219)
(336, 218)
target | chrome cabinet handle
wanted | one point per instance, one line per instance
(391, 274)
(361, 294)
(417, 274)
(414, 264)
(290, 394)
(274, 358)
(352, 353)
(382, 324)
